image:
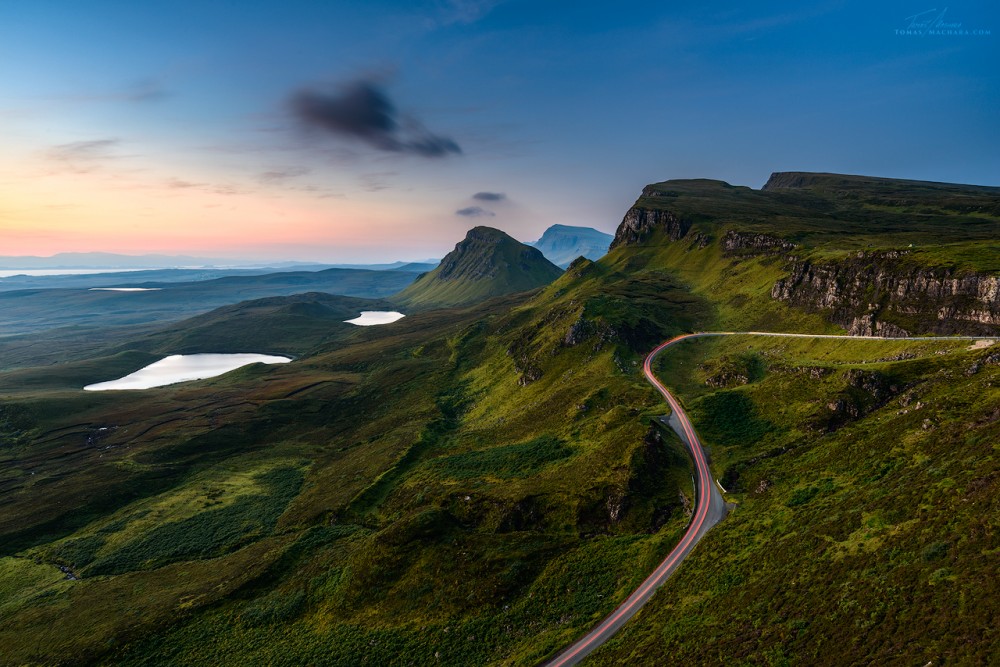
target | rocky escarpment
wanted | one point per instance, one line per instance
(640, 223)
(883, 294)
(751, 243)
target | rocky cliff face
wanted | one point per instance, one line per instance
(880, 291)
(749, 243)
(640, 223)
(882, 294)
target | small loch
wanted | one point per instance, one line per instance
(184, 368)
(370, 318)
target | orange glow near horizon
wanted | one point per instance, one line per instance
(104, 212)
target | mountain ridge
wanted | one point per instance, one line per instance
(486, 263)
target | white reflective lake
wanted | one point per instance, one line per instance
(372, 317)
(125, 289)
(183, 368)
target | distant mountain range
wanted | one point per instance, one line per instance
(561, 244)
(107, 260)
(485, 264)
(28, 310)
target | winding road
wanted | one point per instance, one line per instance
(710, 508)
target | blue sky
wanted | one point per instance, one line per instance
(173, 127)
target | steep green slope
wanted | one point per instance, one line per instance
(485, 264)
(865, 528)
(480, 485)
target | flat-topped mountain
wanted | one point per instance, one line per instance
(561, 244)
(872, 255)
(485, 264)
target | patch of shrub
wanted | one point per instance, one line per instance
(934, 551)
(209, 533)
(277, 607)
(730, 418)
(78, 552)
(519, 460)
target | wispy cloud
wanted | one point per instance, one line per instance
(145, 90)
(450, 12)
(141, 91)
(178, 184)
(475, 212)
(214, 188)
(375, 181)
(282, 174)
(83, 157)
(362, 111)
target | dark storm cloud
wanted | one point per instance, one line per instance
(489, 196)
(361, 110)
(475, 212)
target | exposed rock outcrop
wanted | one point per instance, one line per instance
(750, 243)
(640, 223)
(866, 392)
(881, 294)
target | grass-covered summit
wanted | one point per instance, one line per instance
(485, 264)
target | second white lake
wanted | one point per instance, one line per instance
(372, 317)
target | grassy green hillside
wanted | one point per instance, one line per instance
(487, 263)
(463, 476)
(481, 484)
(865, 528)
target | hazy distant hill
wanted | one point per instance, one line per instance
(561, 244)
(108, 260)
(278, 324)
(29, 310)
(486, 263)
(420, 267)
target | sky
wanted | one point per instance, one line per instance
(378, 131)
